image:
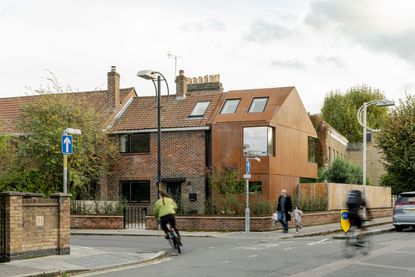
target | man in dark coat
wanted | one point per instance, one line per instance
(284, 209)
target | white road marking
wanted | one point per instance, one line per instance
(289, 248)
(341, 264)
(317, 242)
(252, 256)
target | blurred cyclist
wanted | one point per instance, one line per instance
(355, 203)
(164, 210)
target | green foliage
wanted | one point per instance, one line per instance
(226, 180)
(343, 172)
(261, 207)
(38, 164)
(397, 142)
(340, 111)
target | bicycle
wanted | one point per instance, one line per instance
(354, 243)
(173, 238)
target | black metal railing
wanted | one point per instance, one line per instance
(134, 217)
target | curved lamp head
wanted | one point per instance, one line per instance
(72, 131)
(385, 103)
(147, 74)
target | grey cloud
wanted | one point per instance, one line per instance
(209, 25)
(354, 22)
(294, 64)
(332, 60)
(263, 31)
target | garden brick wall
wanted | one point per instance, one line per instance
(96, 222)
(183, 156)
(35, 226)
(258, 224)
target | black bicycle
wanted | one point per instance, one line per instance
(173, 238)
(355, 242)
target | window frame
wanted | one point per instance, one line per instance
(227, 101)
(270, 142)
(130, 183)
(253, 101)
(194, 109)
(128, 143)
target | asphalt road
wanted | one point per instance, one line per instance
(393, 254)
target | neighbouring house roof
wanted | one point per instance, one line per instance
(142, 112)
(11, 108)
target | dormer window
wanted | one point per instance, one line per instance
(230, 106)
(258, 105)
(200, 109)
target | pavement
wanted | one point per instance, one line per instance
(87, 259)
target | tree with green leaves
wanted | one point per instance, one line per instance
(343, 172)
(397, 142)
(340, 111)
(39, 164)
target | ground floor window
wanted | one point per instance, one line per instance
(135, 191)
(255, 187)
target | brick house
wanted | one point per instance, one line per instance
(185, 144)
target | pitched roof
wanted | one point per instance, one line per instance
(142, 112)
(11, 108)
(276, 97)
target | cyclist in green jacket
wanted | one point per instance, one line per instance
(164, 210)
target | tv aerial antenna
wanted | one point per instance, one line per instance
(170, 55)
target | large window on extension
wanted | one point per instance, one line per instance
(135, 143)
(312, 150)
(230, 106)
(258, 141)
(135, 191)
(200, 109)
(258, 105)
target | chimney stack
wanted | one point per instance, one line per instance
(181, 86)
(114, 88)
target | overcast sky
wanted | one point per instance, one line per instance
(317, 46)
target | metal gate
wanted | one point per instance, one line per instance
(135, 217)
(2, 231)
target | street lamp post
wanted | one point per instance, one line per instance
(361, 117)
(153, 75)
(247, 176)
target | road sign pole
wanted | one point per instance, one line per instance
(247, 211)
(65, 173)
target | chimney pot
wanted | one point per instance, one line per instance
(113, 68)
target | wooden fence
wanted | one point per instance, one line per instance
(336, 194)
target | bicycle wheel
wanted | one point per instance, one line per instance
(366, 244)
(177, 244)
(171, 240)
(349, 249)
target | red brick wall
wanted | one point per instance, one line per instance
(96, 222)
(183, 156)
(205, 223)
